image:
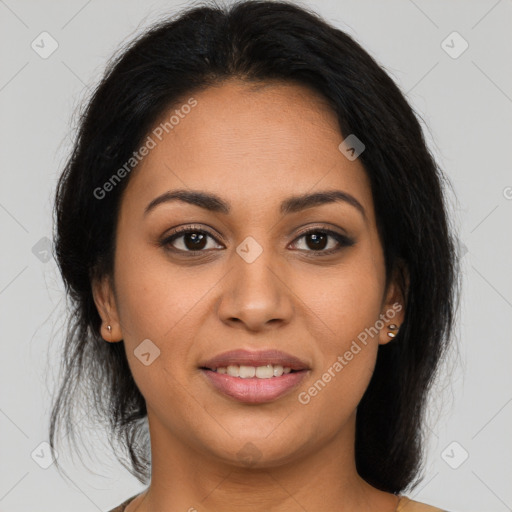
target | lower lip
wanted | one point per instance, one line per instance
(254, 390)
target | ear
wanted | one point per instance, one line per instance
(104, 298)
(393, 309)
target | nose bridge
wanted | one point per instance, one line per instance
(255, 293)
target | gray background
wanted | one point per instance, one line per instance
(466, 107)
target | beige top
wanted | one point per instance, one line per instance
(407, 505)
(404, 505)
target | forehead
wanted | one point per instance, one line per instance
(250, 143)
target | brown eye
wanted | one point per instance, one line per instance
(188, 240)
(194, 241)
(317, 240)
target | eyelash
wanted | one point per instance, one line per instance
(342, 240)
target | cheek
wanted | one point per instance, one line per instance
(154, 296)
(344, 307)
(162, 303)
(347, 349)
(342, 301)
(332, 397)
(158, 312)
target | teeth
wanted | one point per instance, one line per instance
(265, 372)
(247, 372)
(278, 370)
(233, 370)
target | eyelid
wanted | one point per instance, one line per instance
(185, 228)
(321, 227)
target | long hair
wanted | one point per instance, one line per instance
(260, 41)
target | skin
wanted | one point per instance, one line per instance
(253, 146)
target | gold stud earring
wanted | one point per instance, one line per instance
(393, 327)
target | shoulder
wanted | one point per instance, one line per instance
(122, 506)
(407, 505)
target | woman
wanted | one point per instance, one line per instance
(255, 240)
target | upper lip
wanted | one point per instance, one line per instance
(254, 358)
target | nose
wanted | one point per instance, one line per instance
(256, 295)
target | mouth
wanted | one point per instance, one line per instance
(254, 377)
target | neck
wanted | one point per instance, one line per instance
(325, 478)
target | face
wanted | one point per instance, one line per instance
(259, 268)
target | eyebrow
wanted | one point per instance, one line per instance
(294, 204)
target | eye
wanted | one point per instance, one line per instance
(188, 239)
(317, 240)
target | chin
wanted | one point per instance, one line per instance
(258, 452)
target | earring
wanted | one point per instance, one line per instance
(393, 327)
(109, 328)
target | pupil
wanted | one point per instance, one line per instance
(316, 237)
(198, 240)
